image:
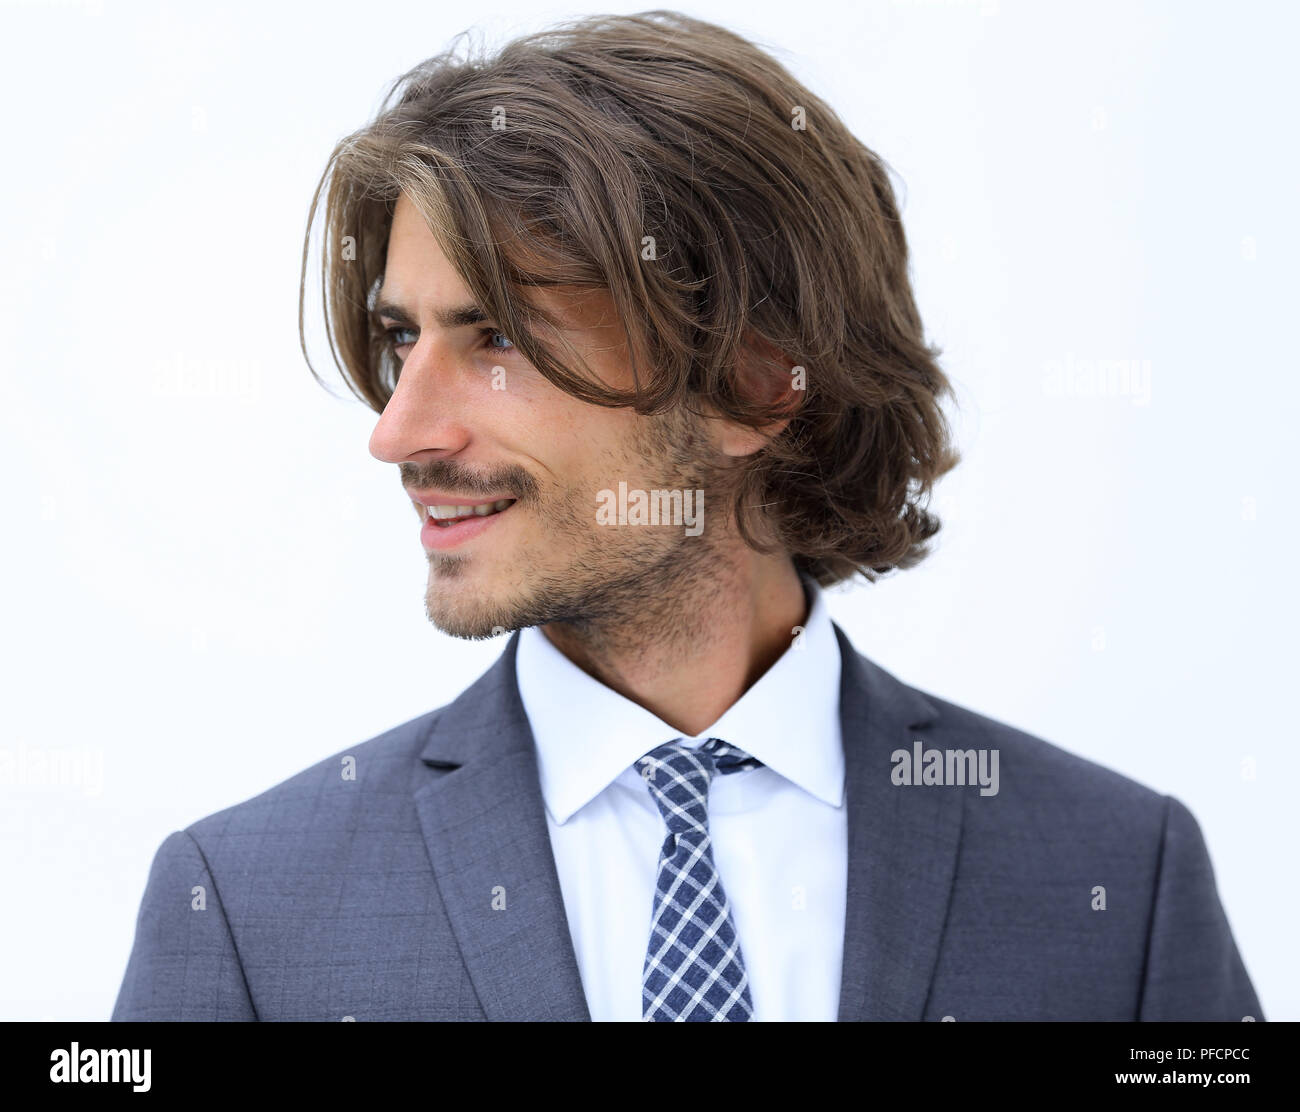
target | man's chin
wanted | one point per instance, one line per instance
(464, 617)
(459, 606)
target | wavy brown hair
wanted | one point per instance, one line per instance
(550, 162)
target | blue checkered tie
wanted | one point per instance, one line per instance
(693, 966)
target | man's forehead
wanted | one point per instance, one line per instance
(418, 275)
(415, 260)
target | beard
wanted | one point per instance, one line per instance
(603, 586)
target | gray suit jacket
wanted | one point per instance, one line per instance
(373, 897)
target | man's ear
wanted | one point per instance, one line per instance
(765, 376)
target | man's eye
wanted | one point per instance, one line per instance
(391, 337)
(398, 337)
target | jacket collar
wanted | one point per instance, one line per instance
(484, 824)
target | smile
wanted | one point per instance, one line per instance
(447, 525)
(446, 516)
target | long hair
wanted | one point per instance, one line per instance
(730, 216)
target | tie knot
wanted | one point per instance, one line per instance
(678, 777)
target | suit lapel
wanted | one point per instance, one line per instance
(902, 849)
(484, 823)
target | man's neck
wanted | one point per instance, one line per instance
(737, 629)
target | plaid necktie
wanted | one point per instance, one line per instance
(693, 966)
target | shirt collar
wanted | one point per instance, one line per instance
(586, 733)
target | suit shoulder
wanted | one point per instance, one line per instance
(382, 766)
(1037, 772)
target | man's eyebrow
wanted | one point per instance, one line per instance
(458, 317)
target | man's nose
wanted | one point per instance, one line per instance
(423, 415)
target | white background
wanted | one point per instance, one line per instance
(209, 584)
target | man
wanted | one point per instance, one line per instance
(634, 308)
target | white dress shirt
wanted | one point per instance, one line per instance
(780, 832)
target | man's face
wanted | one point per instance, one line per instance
(470, 421)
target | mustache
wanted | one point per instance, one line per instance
(458, 481)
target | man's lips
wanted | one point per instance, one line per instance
(437, 498)
(448, 521)
(458, 511)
